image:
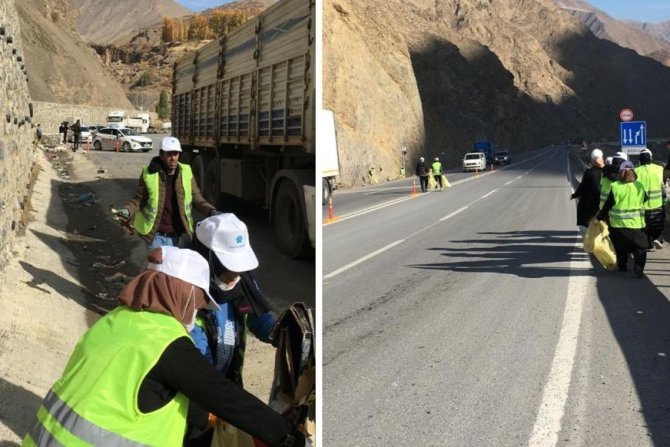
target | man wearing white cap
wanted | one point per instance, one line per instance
(422, 172)
(588, 190)
(651, 177)
(223, 240)
(166, 194)
(135, 377)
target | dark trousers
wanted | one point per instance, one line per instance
(655, 220)
(75, 145)
(629, 241)
(438, 180)
(423, 179)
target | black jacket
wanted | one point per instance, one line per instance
(588, 193)
(421, 168)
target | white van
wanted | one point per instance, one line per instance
(474, 161)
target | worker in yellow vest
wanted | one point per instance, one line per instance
(135, 378)
(161, 210)
(437, 173)
(651, 176)
(625, 208)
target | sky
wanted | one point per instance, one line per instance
(199, 5)
(640, 10)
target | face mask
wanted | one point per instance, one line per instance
(191, 325)
(225, 287)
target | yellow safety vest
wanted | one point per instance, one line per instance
(144, 220)
(651, 176)
(94, 403)
(605, 188)
(437, 168)
(628, 209)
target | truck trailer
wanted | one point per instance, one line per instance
(243, 110)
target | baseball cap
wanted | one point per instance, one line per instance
(187, 265)
(622, 155)
(646, 151)
(608, 160)
(228, 238)
(170, 144)
(626, 165)
(421, 159)
(596, 154)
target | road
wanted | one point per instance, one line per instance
(471, 316)
(282, 279)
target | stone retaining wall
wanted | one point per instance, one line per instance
(50, 114)
(17, 150)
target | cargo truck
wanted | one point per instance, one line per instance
(329, 162)
(243, 107)
(485, 147)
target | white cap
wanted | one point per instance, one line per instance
(622, 155)
(596, 154)
(608, 161)
(437, 159)
(187, 265)
(421, 158)
(228, 238)
(646, 151)
(170, 144)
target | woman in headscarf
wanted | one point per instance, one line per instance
(135, 377)
(625, 209)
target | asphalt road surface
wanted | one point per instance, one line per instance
(282, 279)
(472, 317)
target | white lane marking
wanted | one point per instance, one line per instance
(363, 259)
(509, 183)
(368, 210)
(450, 215)
(489, 193)
(555, 394)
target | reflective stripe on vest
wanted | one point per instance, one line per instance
(628, 209)
(651, 177)
(95, 401)
(605, 188)
(146, 218)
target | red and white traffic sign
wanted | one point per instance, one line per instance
(626, 115)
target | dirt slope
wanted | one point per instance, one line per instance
(61, 67)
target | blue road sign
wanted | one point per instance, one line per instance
(633, 134)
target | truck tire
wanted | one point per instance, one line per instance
(289, 220)
(327, 191)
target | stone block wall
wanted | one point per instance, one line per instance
(50, 114)
(17, 151)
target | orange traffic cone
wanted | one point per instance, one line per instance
(331, 214)
(413, 186)
(88, 147)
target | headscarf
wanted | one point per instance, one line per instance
(158, 292)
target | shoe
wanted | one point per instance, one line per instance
(657, 244)
(639, 274)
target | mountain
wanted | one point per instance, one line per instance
(61, 67)
(436, 76)
(105, 22)
(645, 38)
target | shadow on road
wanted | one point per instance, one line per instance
(18, 418)
(527, 254)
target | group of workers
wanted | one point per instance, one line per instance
(430, 177)
(165, 367)
(630, 199)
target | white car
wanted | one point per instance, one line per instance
(474, 161)
(123, 138)
(86, 136)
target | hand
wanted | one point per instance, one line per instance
(214, 213)
(123, 213)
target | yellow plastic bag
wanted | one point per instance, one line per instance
(592, 232)
(431, 182)
(445, 182)
(603, 248)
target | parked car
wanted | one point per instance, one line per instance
(86, 136)
(502, 158)
(474, 161)
(127, 140)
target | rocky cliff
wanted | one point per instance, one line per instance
(436, 76)
(60, 66)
